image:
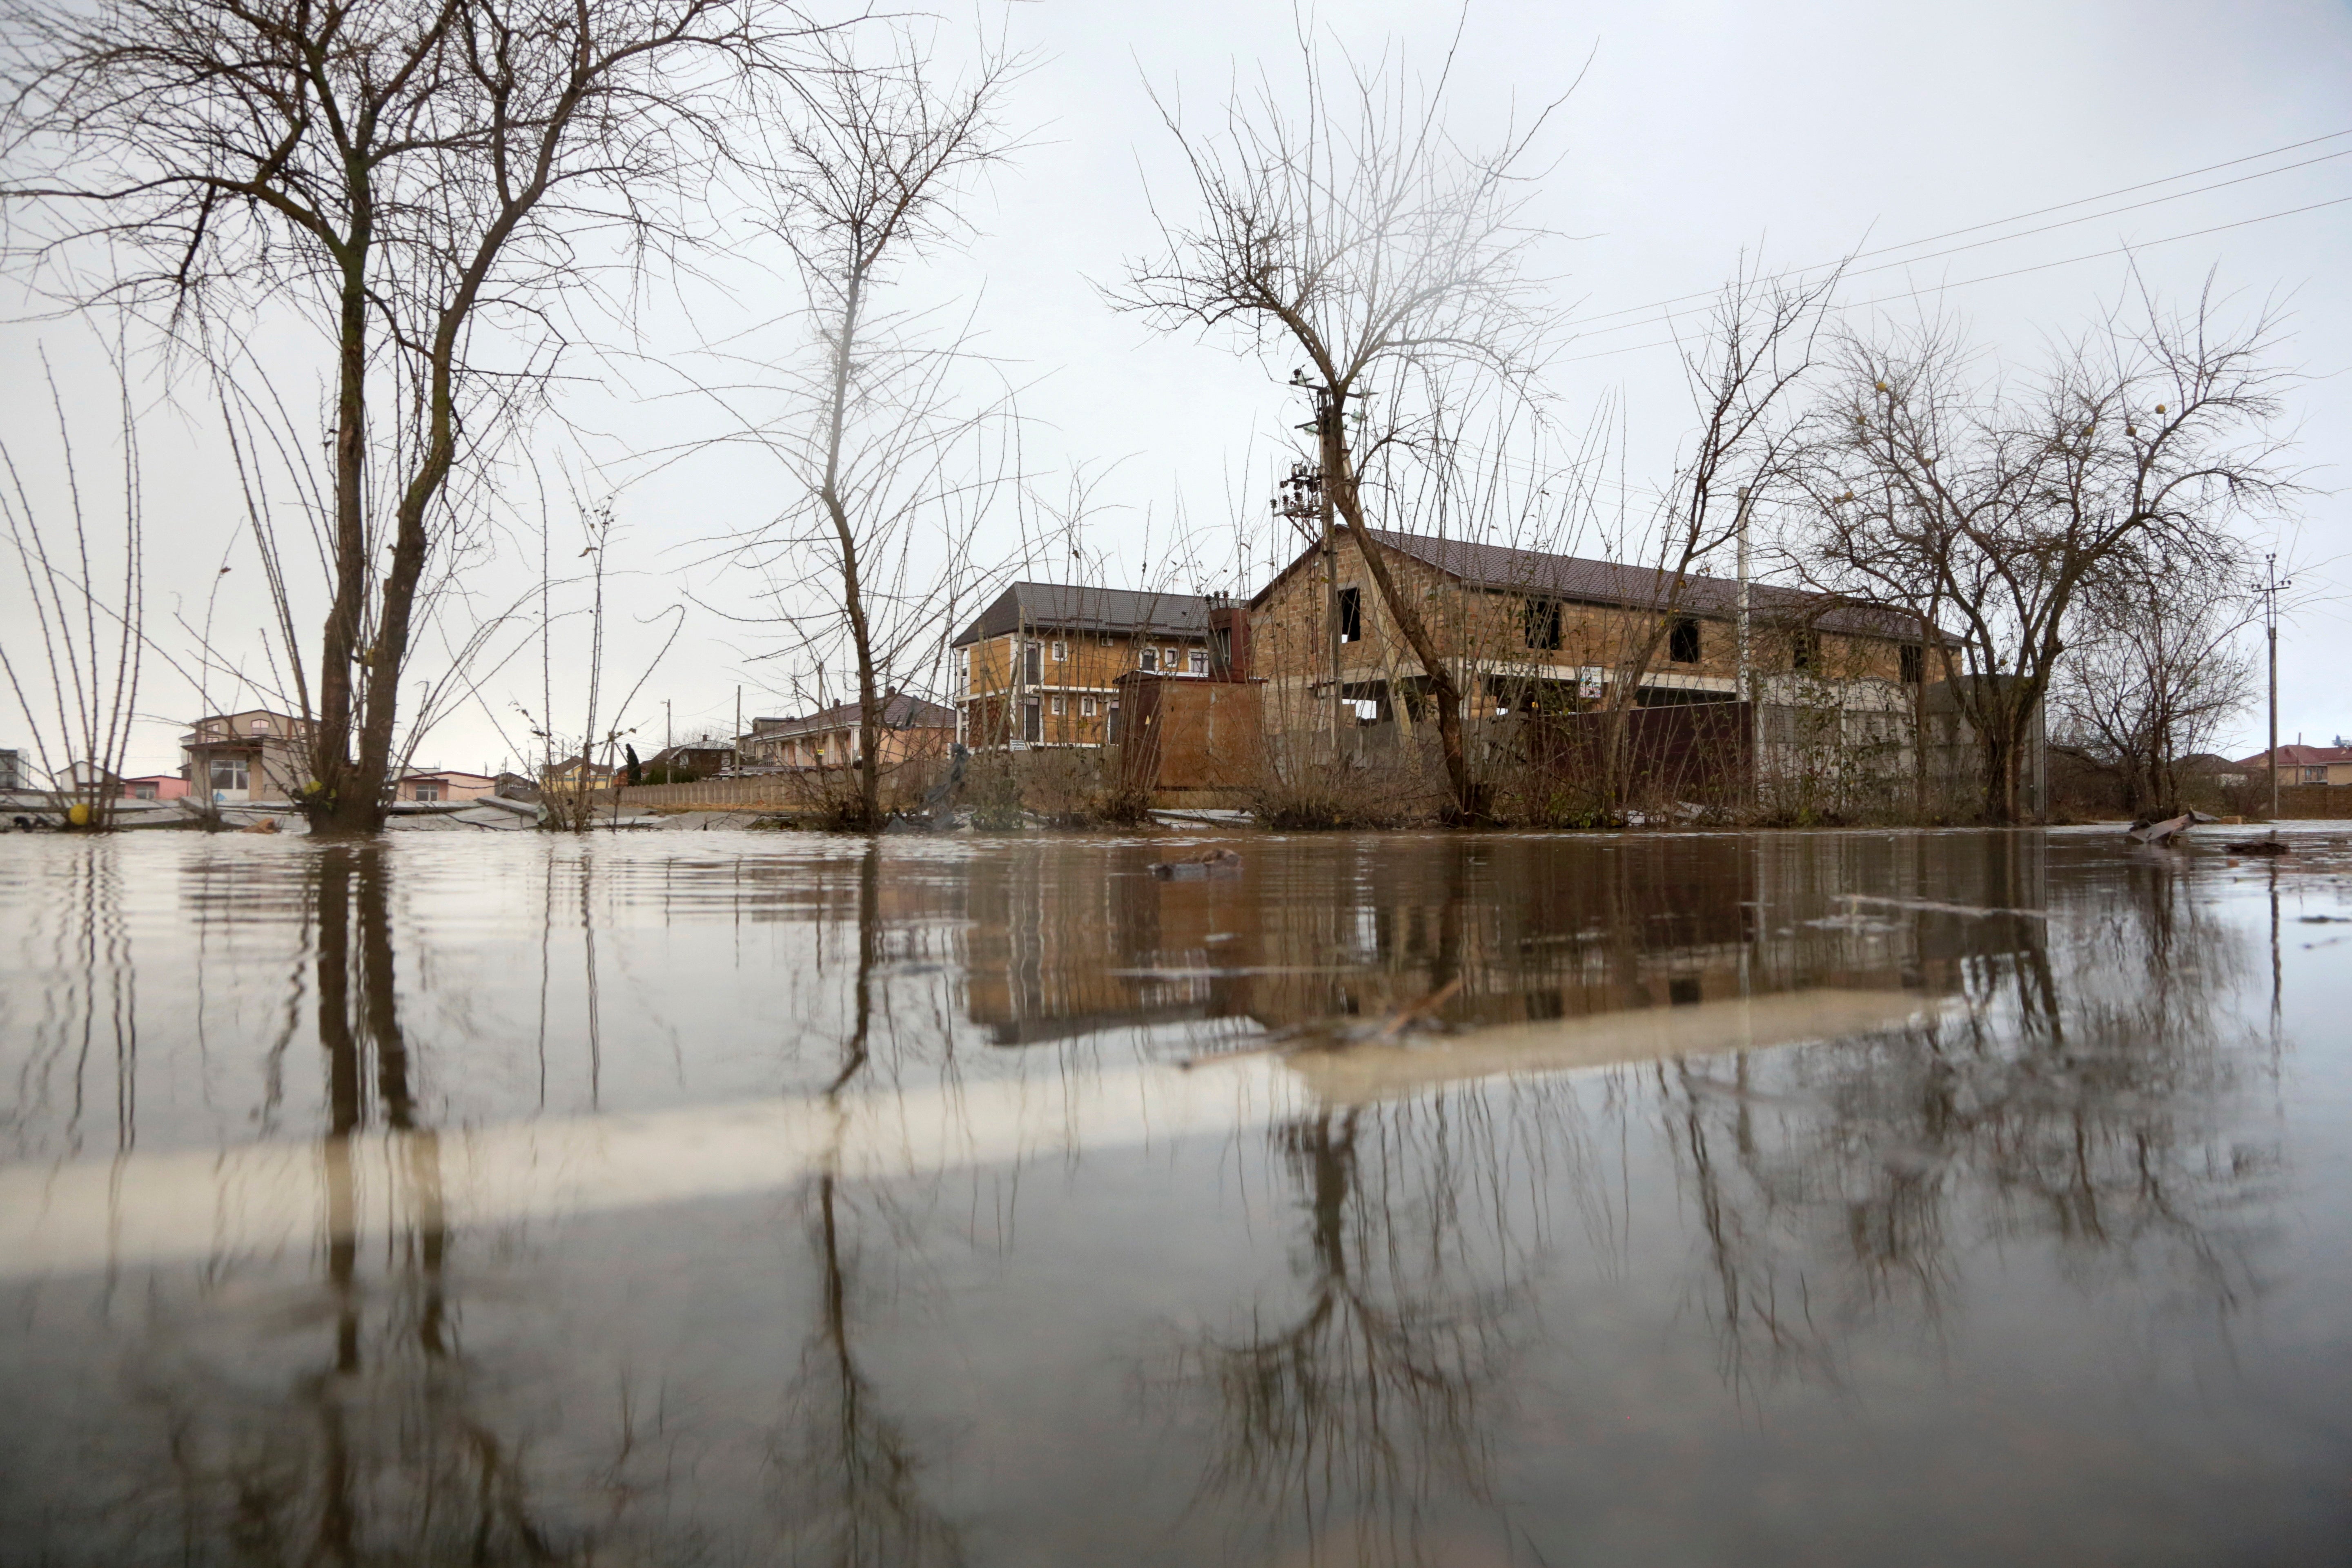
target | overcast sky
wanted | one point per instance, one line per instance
(1793, 132)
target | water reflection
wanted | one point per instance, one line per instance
(846, 1202)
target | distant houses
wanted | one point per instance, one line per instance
(2305, 764)
(912, 729)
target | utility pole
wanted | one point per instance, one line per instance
(1303, 500)
(735, 740)
(669, 741)
(1316, 483)
(1746, 698)
(2270, 588)
(1742, 526)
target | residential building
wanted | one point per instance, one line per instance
(154, 786)
(1523, 629)
(912, 729)
(255, 754)
(2304, 765)
(1040, 667)
(704, 759)
(429, 785)
(12, 769)
(576, 772)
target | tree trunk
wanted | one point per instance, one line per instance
(339, 649)
(1469, 795)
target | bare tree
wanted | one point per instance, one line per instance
(879, 445)
(1759, 347)
(1356, 233)
(2154, 669)
(425, 174)
(1932, 485)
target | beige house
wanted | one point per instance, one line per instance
(1040, 667)
(912, 729)
(257, 754)
(432, 785)
(2305, 764)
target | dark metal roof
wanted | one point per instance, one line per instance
(899, 712)
(1063, 607)
(1503, 569)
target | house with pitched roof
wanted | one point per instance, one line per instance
(912, 729)
(2305, 764)
(1525, 630)
(1040, 667)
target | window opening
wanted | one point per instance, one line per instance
(1542, 622)
(1061, 653)
(1352, 615)
(1805, 651)
(1036, 670)
(1151, 660)
(1199, 657)
(1914, 664)
(1682, 642)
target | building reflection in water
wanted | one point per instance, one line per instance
(1389, 1294)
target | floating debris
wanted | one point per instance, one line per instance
(1208, 863)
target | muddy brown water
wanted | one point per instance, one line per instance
(764, 1198)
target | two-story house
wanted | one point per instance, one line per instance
(1040, 667)
(1522, 629)
(257, 754)
(2300, 765)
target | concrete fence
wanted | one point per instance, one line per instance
(777, 792)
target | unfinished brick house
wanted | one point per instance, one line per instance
(1835, 687)
(1526, 629)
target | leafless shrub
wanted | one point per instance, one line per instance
(87, 631)
(2156, 669)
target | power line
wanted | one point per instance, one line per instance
(2018, 218)
(2005, 238)
(2012, 272)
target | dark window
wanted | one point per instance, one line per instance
(1221, 638)
(1914, 664)
(1682, 642)
(1352, 615)
(1030, 723)
(1805, 649)
(1542, 622)
(1683, 991)
(1036, 668)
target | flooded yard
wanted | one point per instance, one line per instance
(716, 1198)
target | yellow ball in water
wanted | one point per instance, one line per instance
(78, 814)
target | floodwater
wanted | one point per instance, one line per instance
(1932, 1198)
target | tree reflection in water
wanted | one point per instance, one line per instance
(847, 1475)
(394, 1461)
(1347, 1426)
(2076, 1095)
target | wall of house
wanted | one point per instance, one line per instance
(1086, 674)
(1488, 630)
